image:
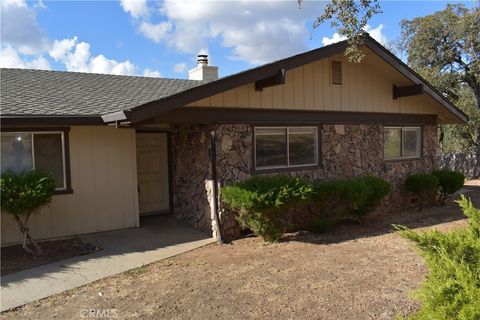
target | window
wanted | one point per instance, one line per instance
(402, 142)
(336, 72)
(283, 147)
(42, 150)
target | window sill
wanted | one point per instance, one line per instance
(285, 169)
(66, 191)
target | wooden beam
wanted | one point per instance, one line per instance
(274, 80)
(276, 116)
(413, 90)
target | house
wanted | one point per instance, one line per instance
(123, 146)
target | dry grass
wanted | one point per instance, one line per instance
(356, 272)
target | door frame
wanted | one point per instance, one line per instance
(169, 167)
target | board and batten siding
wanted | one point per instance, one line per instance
(104, 182)
(367, 87)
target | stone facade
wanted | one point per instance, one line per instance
(344, 151)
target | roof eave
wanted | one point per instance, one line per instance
(55, 120)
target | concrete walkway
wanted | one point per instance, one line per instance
(159, 238)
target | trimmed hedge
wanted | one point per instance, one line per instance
(424, 186)
(263, 203)
(350, 197)
(449, 182)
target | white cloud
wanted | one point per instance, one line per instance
(151, 73)
(76, 56)
(375, 33)
(11, 58)
(255, 31)
(60, 48)
(155, 32)
(100, 64)
(180, 67)
(19, 27)
(335, 38)
(25, 45)
(136, 8)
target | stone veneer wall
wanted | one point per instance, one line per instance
(345, 151)
(191, 171)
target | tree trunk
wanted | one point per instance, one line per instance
(23, 225)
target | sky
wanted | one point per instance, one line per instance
(163, 38)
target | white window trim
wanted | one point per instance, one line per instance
(288, 165)
(62, 134)
(402, 157)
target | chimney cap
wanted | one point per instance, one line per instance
(202, 59)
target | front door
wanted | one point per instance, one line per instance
(152, 170)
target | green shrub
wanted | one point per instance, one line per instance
(449, 182)
(424, 186)
(263, 203)
(322, 225)
(346, 197)
(452, 287)
(24, 193)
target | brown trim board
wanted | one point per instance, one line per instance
(269, 116)
(20, 120)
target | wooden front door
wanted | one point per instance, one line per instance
(152, 171)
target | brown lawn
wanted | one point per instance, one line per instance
(355, 272)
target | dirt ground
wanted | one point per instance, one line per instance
(358, 271)
(15, 258)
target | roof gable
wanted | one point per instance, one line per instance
(153, 108)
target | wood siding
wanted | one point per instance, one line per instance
(104, 182)
(367, 87)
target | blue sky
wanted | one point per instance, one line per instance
(163, 38)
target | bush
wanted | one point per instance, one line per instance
(452, 287)
(449, 182)
(346, 197)
(322, 225)
(22, 194)
(424, 186)
(263, 203)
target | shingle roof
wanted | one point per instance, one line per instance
(54, 93)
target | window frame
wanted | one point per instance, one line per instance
(287, 167)
(64, 132)
(402, 157)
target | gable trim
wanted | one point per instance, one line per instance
(408, 72)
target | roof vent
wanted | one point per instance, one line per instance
(203, 71)
(336, 72)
